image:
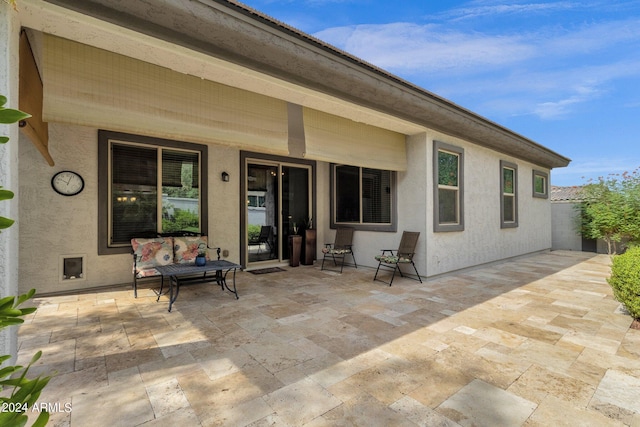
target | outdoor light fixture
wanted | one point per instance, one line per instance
(225, 177)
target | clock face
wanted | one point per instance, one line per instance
(67, 183)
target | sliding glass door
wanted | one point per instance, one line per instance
(278, 199)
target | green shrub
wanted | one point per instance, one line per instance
(253, 232)
(625, 280)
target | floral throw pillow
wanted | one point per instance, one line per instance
(186, 249)
(152, 252)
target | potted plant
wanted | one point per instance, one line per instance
(201, 258)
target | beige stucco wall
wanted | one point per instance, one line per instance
(54, 226)
(68, 225)
(483, 240)
(564, 236)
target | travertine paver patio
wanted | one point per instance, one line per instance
(538, 341)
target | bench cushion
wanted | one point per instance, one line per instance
(152, 252)
(186, 249)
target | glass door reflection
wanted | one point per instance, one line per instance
(262, 212)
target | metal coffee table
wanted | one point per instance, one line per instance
(184, 273)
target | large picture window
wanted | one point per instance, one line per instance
(148, 186)
(363, 197)
(448, 187)
(509, 195)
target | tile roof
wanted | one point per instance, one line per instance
(566, 194)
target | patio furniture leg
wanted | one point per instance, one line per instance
(416, 270)
(173, 298)
(394, 274)
(161, 286)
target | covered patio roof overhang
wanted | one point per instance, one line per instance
(227, 43)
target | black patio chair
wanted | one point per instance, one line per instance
(404, 255)
(341, 247)
(263, 238)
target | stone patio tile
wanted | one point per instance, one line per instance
(420, 414)
(386, 381)
(537, 383)
(618, 389)
(301, 402)
(217, 365)
(129, 406)
(558, 413)
(544, 354)
(62, 387)
(159, 371)
(166, 397)
(479, 403)
(493, 371)
(241, 414)
(630, 345)
(182, 417)
(439, 382)
(586, 340)
(364, 410)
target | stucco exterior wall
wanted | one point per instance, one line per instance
(412, 186)
(564, 236)
(483, 240)
(66, 226)
(53, 226)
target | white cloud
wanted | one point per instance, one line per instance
(550, 70)
(427, 48)
(481, 10)
(580, 171)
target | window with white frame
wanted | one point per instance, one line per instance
(448, 166)
(148, 186)
(540, 184)
(509, 195)
(362, 197)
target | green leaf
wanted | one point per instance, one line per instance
(6, 302)
(22, 298)
(5, 222)
(42, 420)
(6, 194)
(9, 115)
(9, 370)
(35, 357)
(3, 100)
(28, 310)
(9, 321)
(4, 139)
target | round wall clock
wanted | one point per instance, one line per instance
(67, 183)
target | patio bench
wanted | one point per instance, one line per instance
(152, 252)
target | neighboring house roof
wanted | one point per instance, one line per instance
(232, 32)
(566, 194)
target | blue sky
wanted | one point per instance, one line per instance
(565, 74)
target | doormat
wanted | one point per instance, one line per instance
(266, 270)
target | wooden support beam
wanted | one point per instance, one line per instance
(31, 95)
